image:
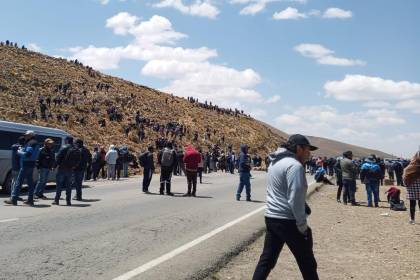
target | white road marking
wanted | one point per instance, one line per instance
(184, 247)
(145, 267)
(9, 220)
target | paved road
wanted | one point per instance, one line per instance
(118, 229)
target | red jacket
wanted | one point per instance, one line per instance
(191, 158)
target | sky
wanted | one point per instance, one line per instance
(344, 70)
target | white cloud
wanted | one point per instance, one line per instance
(273, 99)
(253, 7)
(376, 104)
(330, 13)
(201, 8)
(188, 71)
(366, 88)
(410, 105)
(325, 56)
(104, 2)
(34, 47)
(289, 13)
(337, 13)
(121, 23)
(361, 128)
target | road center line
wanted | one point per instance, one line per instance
(184, 247)
(9, 220)
(145, 267)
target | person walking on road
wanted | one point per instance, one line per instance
(146, 161)
(45, 163)
(411, 179)
(191, 160)
(286, 212)
(244, 174)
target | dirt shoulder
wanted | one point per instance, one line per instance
(350, 242)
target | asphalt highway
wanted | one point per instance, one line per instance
(118, 231)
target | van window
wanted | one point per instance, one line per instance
(8, 138)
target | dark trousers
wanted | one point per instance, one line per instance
(25, 173)
(413, 208)
(339, 189)
(63, 181)
(147, 178)
(165, 179)
(192, 181)
(95, 170)
(77, 182)
(399, 179)
(279, 232)
(200, 174)
(349, 190)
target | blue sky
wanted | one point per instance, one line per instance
(346, 70)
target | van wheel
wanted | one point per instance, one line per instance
(7, 186)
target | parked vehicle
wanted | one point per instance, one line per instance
(9, 134)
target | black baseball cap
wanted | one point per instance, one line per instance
(298, 139)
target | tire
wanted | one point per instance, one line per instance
(7, 185)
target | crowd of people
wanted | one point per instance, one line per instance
(75, 163)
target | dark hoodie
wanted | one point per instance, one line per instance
(86, 156)
(244, 160)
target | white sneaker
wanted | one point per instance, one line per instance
(412, 222)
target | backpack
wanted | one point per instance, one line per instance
(167, 158)
(73, 157)
(142, 159)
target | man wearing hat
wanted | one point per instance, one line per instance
(286, 212)
(44, 163)
(349, 174)
(28, 156)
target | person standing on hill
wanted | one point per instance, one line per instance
(45, 163)
(191, 159)
(244, 174)
(146, 161)
(286, 212)
(167, 162)
(349, 170)
(370, 175)
(412, 182)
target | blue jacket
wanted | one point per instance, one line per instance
(244, 160)
(370, 172)
(29, 154)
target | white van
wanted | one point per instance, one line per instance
(9, 134)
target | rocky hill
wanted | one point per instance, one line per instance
(88, 97)
(331, 148)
